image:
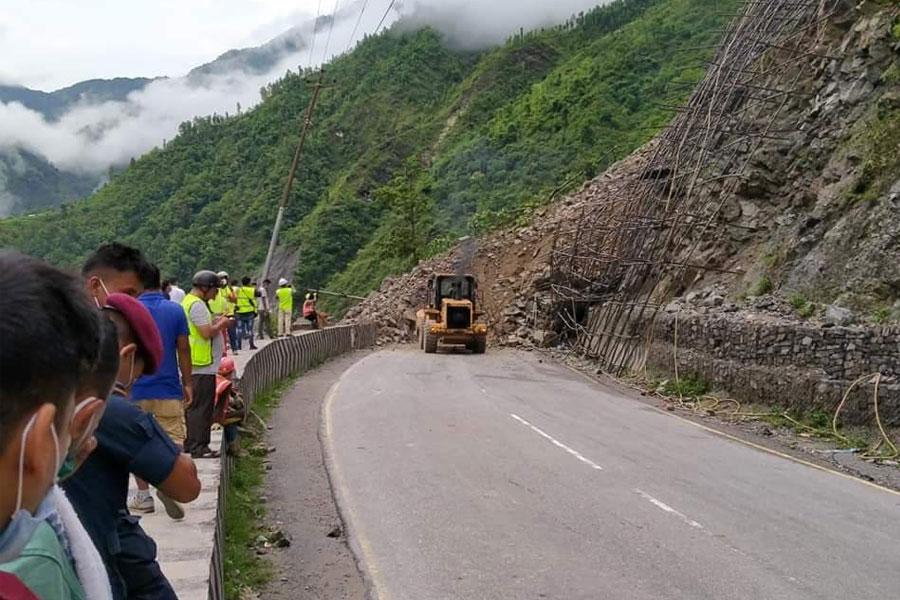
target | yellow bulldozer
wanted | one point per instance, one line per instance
(449, 316)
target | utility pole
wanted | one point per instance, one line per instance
(307, 122)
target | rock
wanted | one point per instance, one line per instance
(713, 300)
(837, 315)
(335, 533)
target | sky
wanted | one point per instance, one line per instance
(49, 44)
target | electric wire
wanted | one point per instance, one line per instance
(330, 30)
(381, 22)
(312, 44)
(356, 27)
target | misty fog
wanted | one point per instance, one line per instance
(91, 137)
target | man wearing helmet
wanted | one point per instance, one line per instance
(207, 346)
(285, 295)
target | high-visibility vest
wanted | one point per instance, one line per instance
(246, 300)
(285, 299)
(221, 304)
(201, 348)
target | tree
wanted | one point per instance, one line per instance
(411, 221)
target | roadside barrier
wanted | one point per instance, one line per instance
(280, 359)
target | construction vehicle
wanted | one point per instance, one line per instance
(449, 316)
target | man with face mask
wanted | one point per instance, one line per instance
(114, 268)
(36, 413)
(130, 441)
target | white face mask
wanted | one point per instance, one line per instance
(23, 523)
(105, 291)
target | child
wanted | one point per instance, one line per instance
(51, 337)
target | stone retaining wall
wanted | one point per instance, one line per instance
(759, 359)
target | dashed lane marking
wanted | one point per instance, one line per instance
(662, 505)
(557, 443)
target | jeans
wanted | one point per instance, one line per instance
(245, 328)
(233, 340)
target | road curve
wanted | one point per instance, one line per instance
(499, 476)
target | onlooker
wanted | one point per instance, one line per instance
(114, 268)
(311, 313)
(50, 338)
(285, 295)
(246, 312)
(230, 409)
(264, 322)
(176, 294)
(207, 346)
(164, 394)
(130, 441)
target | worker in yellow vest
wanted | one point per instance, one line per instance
(223, 304)
(207, 348)
(285, 295)
(246, 308)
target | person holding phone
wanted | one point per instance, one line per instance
(207, 347)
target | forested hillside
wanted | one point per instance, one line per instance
(415, 143)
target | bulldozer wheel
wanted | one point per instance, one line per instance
(479, 345)
(429, 340)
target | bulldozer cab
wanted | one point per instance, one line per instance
(451, 287)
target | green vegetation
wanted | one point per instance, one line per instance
(803, 307)
(415, 145)
(878, 140)
(764, 286)
(244, 512)
(686, 386)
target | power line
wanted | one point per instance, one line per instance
(355, 27)
(381, 22)
(330, 29)
(315, 31)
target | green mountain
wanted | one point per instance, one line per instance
(414, 144)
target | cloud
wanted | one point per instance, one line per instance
(476, 24)
(91, 137)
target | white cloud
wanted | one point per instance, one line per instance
(89, 138)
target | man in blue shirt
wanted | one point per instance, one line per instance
(164, 394)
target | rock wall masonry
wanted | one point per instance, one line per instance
(802, 367)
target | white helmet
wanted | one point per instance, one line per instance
(282, 282)
(222, 274)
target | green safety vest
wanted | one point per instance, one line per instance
(285, 299)
(246, 300)
(201, 348)
(221, 305)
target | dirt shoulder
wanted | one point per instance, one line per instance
(316, 565)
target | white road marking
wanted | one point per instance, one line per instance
(557, 443)
(668, 509)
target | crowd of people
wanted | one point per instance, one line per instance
(113, 374)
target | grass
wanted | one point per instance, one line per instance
(814, 422)
(689, 386)
(764, 286)
(245, 513)
(802, 307)
(882, 315)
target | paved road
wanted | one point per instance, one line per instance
(497, 476)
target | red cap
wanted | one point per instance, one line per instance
(142, 325)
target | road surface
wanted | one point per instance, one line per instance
(498, 476)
